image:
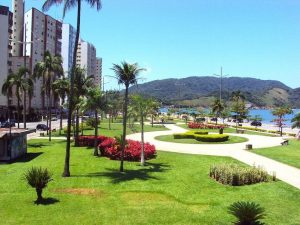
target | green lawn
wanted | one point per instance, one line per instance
(116, 129)
(170, 138)
(289, 154)
(171, 189)
(229, 130)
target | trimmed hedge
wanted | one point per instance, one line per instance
(212, 137)
(202, 136)
(234, 175)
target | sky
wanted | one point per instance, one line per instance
(175, 39)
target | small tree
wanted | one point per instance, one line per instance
(247, 213)
(280, 114)
(238, 106)
(142, 106)
(217, 109)
(38, 178)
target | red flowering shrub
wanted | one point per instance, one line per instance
(111, 149)
(204, 126)
(132, 150)
(88, 141)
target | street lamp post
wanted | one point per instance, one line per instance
(221, 82)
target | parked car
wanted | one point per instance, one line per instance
(8, 124)
(42, 127)
(214, 119)
(53, 119)
(255, 123)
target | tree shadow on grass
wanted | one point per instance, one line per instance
(47, 201)
(37, 145)
(143, 173)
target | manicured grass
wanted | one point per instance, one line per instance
(289, 154)
(170, 138)
(172, 189)
(229, 130)
(116, 130)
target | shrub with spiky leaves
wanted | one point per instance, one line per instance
(38, 178)
(247, 213)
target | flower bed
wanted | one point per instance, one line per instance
(110, 148)
(204, 126)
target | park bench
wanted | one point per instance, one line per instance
(54, 130)
(42, 134)
(285, 142)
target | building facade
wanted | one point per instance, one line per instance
(68, 44)
(5, 48)
(17, 27)
(86, 57)
(98, 76)
(42, 33)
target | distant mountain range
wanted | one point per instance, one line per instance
(200, 90)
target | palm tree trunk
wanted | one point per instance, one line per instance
(18, 112)
(39, 193)
(109, 119)
(60, 122)
(50, 128)
(142, 138)
(96, 134)
(76, 127)
(124, 127)
(66, 172)
(24, 110)
(152, 119)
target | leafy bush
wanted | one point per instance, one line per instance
(88, 140)
(38, 178)
(132, 151)
(232, 174)
(247, 213)
(91, 122)
(202, 136)
(84, 126)
(192, 125)
(212, 137)
(110, 148)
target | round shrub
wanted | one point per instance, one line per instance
(184, 136)
(212, 137)
(232, 174)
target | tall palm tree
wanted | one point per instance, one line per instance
(126, 74)
(217, 108)
(81, 86)
(61, 87)
(68, 4)
(49, 70)
(7, 91)
(95, 102)
(20, 84)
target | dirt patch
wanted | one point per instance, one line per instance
(81, 191)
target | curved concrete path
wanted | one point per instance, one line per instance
(288, 174)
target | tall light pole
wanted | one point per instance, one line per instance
(221, 82)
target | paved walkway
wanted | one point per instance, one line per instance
(288, 174)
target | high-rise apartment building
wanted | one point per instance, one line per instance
(68, 43)
(98, 75)
(17, 27)
(86, 57)
(42, 33)
(5, 47)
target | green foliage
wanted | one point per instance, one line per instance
(91, 122)
(234, 175)
(247, 213)
(38, 178)
(296, 121)
(202, 136)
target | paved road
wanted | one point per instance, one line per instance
(284, 172)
